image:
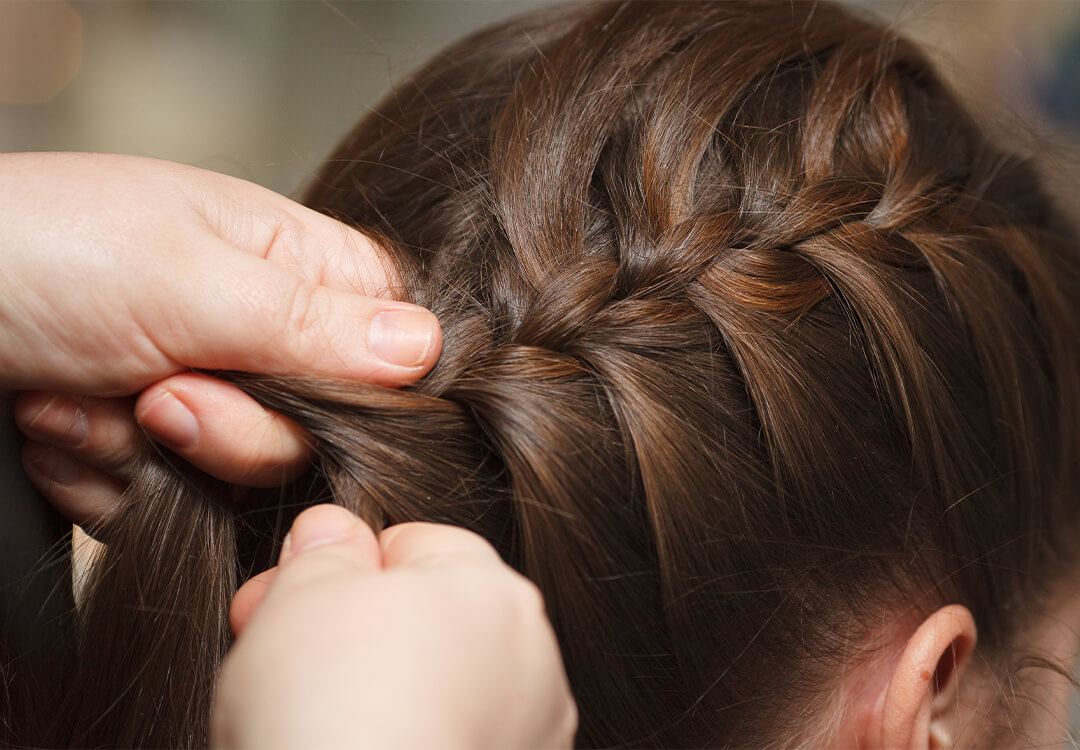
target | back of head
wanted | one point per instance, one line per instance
(753, 342)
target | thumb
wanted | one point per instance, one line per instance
(324, 539)
(418, 544)
(329, 524)
(242, 312)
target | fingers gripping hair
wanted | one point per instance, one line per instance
(749, 335)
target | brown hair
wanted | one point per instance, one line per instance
(751, 340)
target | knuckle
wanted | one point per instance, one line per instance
(28, 406)
(114, 447)
(306, 312)
(286, 240)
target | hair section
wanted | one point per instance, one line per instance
(752, 339)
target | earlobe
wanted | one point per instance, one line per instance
(918, 707)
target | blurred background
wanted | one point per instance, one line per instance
(263, 90)
(260, 90)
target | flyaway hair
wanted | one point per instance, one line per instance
(753, 340)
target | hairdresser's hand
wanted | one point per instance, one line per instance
(422, 638)
(118, 274)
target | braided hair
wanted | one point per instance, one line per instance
(753, 339)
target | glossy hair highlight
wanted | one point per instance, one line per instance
(752, 339)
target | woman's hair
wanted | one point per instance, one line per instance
(753, 341)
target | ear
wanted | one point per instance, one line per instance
(917, 712)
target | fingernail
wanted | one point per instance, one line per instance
(324, 524)
(60, 422)
(58, 467)
(170, 421)
(402, 337)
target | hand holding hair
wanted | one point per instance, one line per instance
(120, 274)
(419, 638)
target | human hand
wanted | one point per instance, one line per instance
(120, 274)
(420, 638)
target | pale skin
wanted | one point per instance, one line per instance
(119, 276)
(122, 274)
(922, 685)
(423, 639)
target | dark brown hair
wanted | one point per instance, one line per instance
(752, 339)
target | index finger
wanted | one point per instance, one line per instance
(316, 247)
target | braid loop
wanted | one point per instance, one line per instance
(752, 342)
